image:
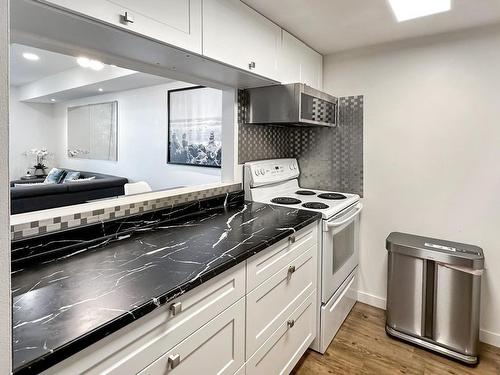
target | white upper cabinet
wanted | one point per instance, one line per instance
(299, 63)
(175, 22)
(239, 36)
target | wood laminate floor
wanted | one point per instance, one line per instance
(362, 347)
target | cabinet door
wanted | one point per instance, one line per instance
(311, 68)
(235, 34)
(216, 348)
(175, 22)
(299, 63)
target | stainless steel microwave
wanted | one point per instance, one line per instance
(291, 104)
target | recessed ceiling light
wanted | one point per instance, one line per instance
(31, 56)
(405, 10)
(52, 100)
(96, 65)
(83, 62)
(100, 89)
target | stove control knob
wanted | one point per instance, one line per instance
(291, 166)
(262, 171)
(256, 172)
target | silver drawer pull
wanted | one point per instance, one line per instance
(291, 270)
(290, 323)
(174, 360)
(251, 65)
(126, 18)
(175, 308)
(291, 239)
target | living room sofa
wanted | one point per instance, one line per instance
(44, 196)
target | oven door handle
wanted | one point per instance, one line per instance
(333, 224)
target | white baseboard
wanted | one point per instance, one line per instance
(372, 300)
(485, 336)
(489, 337)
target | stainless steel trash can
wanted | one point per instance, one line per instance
(433, 294)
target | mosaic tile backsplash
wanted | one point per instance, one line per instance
(55, 224)
(329, 158)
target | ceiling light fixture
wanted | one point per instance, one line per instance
(52, 100)
(31, 56)
(85, 62)
(96, 65)
(100, 89)
(405, 10)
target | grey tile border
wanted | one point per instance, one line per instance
(55, 224)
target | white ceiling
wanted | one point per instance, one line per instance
(24, 71)
(124, 83)
(334, 25)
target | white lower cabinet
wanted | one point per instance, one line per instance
(216, 348)
(269, 322)
(281, 352)
(140, 343)
(269, 305)
(265, 264)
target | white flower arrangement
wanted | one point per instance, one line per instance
(77, 151)
(41, 156)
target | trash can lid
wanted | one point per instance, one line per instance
(442, 251)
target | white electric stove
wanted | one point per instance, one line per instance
(276, 182)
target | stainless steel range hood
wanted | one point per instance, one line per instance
(291, 104)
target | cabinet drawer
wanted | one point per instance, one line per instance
(137, 345)
(216, 348)
(266, 263)
(176, 22)
(273, 301)
(336, 310)
(281, 352)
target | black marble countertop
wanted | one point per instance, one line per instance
(72, 289)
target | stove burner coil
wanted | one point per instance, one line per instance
(332, 196)
(315, 205)
(285, 200)
(305, 192)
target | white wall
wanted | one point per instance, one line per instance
(142, 141)
(31, 126)
(431, 149)
(5, 297)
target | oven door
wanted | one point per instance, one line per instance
(340, 249)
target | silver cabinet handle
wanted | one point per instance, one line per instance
(126, 18)
(174, 360)
(291, 270)
(290, 323)
(292, 239)
(175, 308)
(251, 65)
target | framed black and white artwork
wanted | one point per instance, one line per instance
(195, 127)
